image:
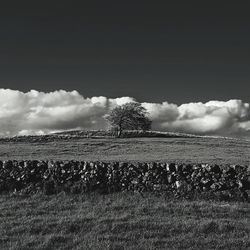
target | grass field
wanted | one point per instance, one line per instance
(192, 150)
(124, 220)
(121, 221)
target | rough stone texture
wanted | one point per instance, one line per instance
(177, 180)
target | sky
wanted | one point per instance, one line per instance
(175, 52)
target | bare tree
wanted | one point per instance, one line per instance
(129, 116)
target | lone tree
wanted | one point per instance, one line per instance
(129, 116)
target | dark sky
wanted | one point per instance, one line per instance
(179, 51)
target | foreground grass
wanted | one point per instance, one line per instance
(121, 221)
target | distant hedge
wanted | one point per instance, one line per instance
(170, 179)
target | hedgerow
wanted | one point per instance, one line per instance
(170, 179)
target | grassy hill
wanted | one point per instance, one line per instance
(80, 134)
(170, 149)
(123, 220)
(125, 134)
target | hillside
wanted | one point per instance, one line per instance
(79, 134)
(112, 221)
(186, 150)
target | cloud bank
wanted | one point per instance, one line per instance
(37, 112)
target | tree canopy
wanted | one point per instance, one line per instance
(129, 116)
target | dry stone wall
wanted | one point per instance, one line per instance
(170, 179)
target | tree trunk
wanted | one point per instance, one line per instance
(119, 132)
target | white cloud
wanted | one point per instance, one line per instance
(38, 112)
(245, 126)
(213, 117)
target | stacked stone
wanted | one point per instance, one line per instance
(180, 180)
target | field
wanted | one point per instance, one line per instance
(121, 221)
(186, 150)
(124, 220)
